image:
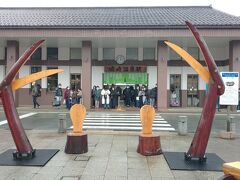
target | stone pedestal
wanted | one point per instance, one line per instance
(149, 145)
(227, 134)
(76, 143)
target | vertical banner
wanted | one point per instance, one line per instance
(231, 81)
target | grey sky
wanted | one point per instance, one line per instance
(229, 6)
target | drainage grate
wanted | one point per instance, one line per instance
(82, 158)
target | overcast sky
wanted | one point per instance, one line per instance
(228, 6)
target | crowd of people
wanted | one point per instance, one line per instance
(108, 97)
(132, 96)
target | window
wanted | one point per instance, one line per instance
(108, 53)
(192, 90)
(37, 55)
(173, 55)
(75, 53)
(175, 90)
(52, 53)
(35, 69)
(94, 53)
(132, 53)
(148, 53)
(52, 81)
(194, 51)
(75, 81)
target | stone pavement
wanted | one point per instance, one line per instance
(112, 156)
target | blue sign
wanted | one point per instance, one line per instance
(230, 74)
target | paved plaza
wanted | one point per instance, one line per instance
(112, 156)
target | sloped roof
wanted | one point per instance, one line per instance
(116, 17)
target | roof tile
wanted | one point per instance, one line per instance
(115, 17)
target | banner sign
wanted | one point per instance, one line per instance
(231, 81)
(125, 78)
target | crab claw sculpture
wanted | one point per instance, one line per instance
(216, 88)
(7, 86)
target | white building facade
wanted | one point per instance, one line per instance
(89, 52)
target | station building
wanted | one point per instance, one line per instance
(119, 45)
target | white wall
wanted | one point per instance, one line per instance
(64, 77)
(120, 51)
(100, 54)
(24, 71)
(22, 49)
(44, 53)
(75, 69)
(97, 72)
(220, 53)
(140, 53)
(2, 73)
(2, 53)
(63, 53)
(152, 76)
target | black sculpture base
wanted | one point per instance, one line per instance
(177, 161)
(40, 158)
(24, 156)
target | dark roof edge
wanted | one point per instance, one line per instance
(112, 7)
(221, 27)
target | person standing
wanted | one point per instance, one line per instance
(93, 92)
(67, 97)
(35, 94)
(79, 96)
(59, 94)
(105, 97)
(152, 96)
(97, 97)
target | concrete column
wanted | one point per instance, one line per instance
(87, 73)
(234, 56)
(12, 57)
(162, 57)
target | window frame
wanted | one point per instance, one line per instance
(112, 55)
(145, 57)
(49, 78)
(51, 56)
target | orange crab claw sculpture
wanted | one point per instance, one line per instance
(216, 88)
(7, 86)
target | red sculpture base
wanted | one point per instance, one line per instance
(76, 143)
(149, 145)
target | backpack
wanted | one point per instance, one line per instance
(59, 92)
(39, 93)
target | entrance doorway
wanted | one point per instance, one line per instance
(75, 81)
(192, 90)
(175, 90)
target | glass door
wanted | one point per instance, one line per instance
(75, 81)
(192, 90)
(175, 90)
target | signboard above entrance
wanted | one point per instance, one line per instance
(125, 78)
(125, 68)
